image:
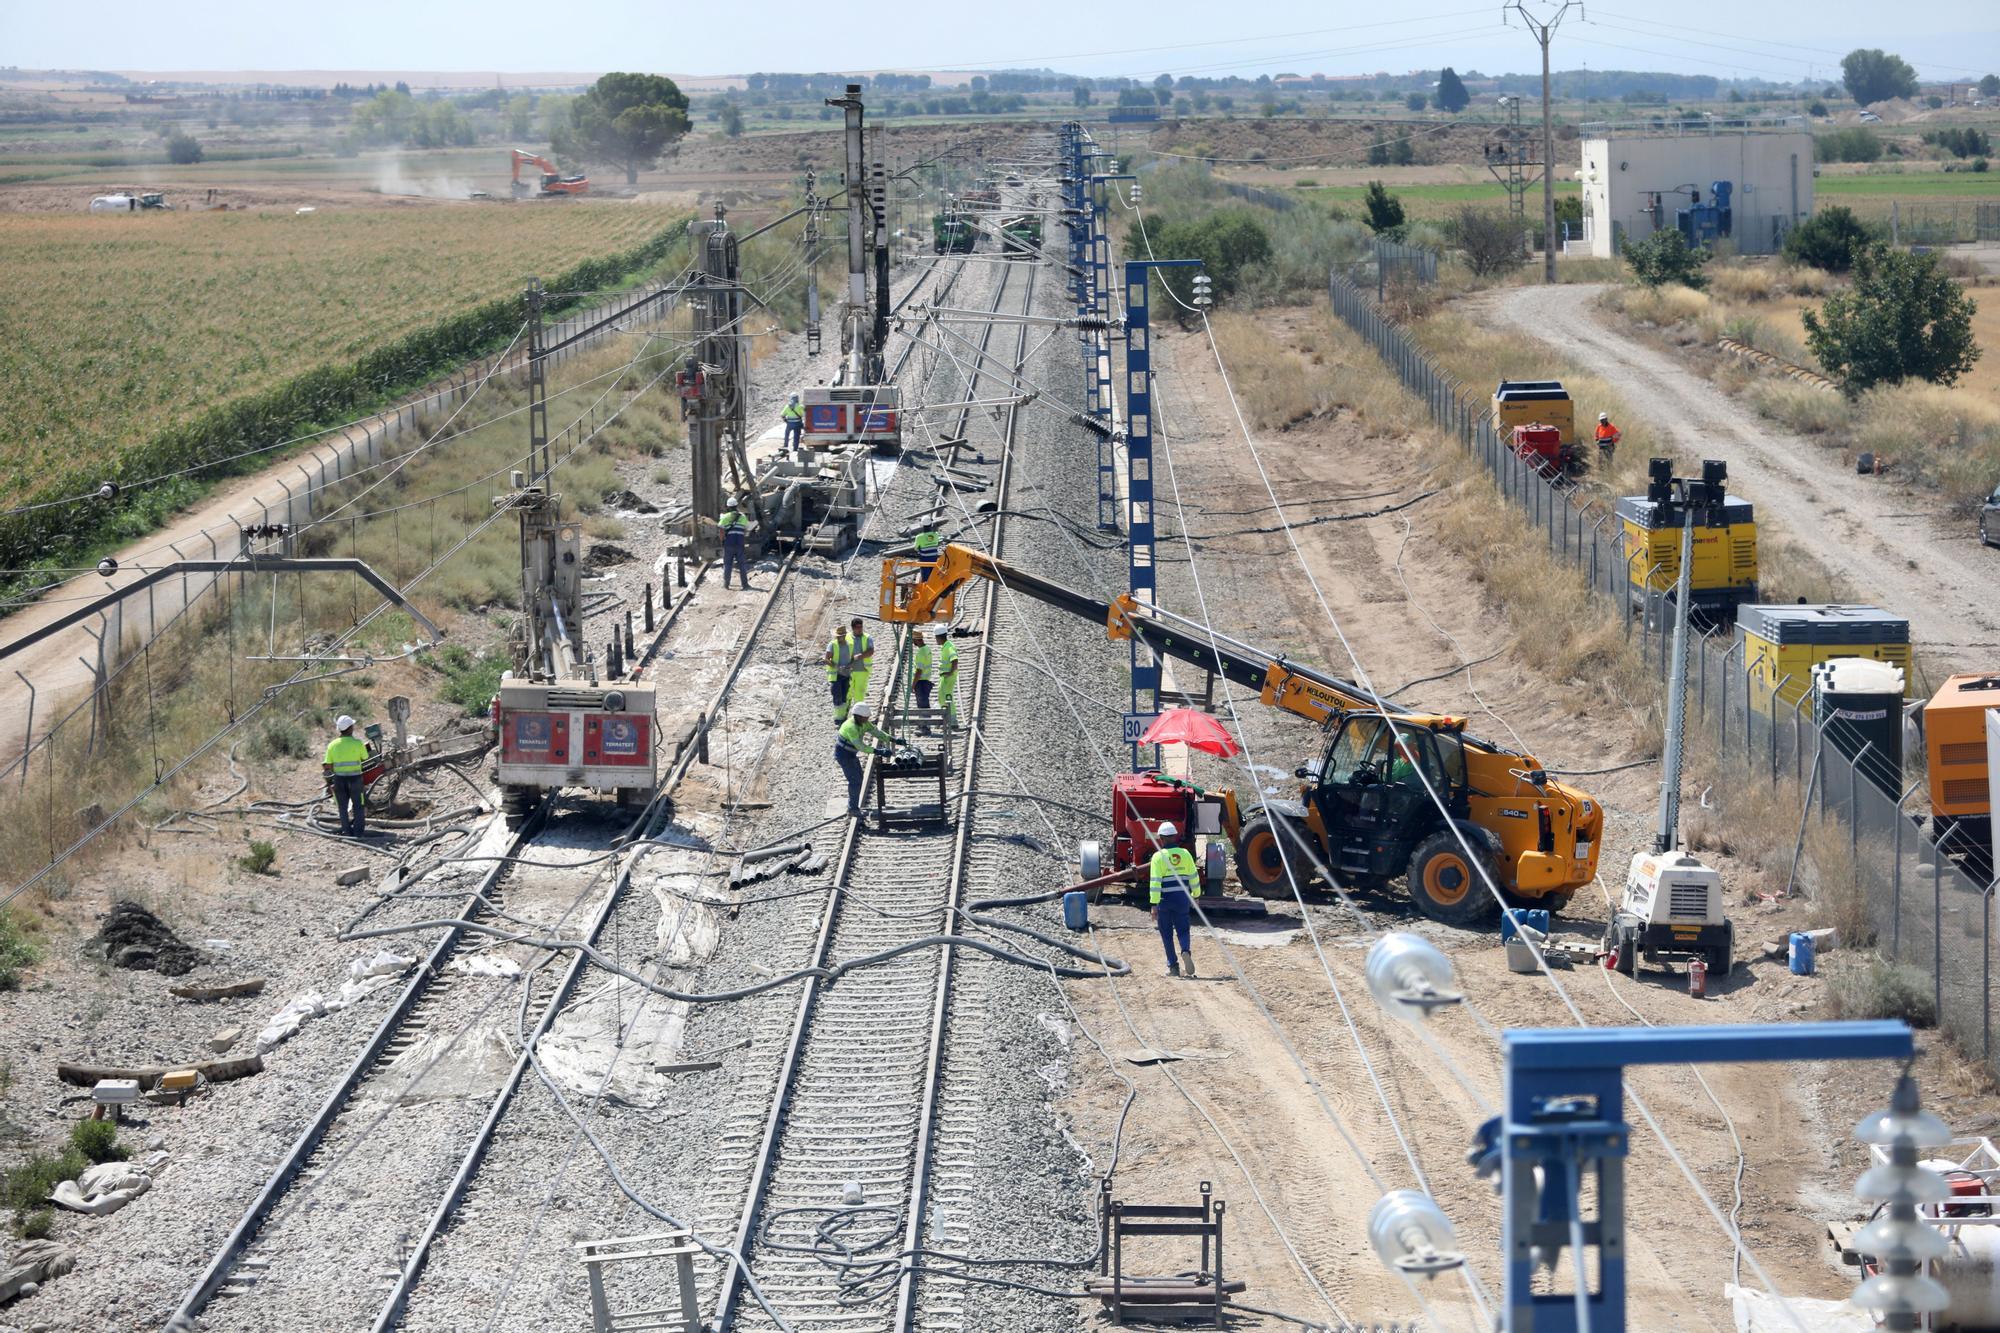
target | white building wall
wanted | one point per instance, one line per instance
(1771, 172)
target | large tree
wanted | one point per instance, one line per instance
(1873, 75)
(1451, 94)
(626, 120)
(1904, 319)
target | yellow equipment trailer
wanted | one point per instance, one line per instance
(1725, 546)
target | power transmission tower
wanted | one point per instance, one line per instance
(1543, 30)
(1514, 159)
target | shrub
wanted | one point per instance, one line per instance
(35, 1224)
(1903, 319)
(1816, 109)
(1385, 210)
(183, 150)
(98, 1140)
(26, 1187)
(1979, 164)
(1882, 989)
(259, 859)
(1226, 242)
(1830, 239)
(280, 740)
(1961, 141)
(1489, 239)
(470, 682)
(17, 952)
(1853, 144)
(1666, 257)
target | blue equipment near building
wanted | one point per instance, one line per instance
(1704, 224)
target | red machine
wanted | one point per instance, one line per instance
(1543, 447)
(1140, 803)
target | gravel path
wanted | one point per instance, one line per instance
(1901, 549)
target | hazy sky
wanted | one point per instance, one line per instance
(1776, 39)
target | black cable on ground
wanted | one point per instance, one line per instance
(1315, 521)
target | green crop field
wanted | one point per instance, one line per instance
(1961, 184)
(115, 327)
(1429, 202)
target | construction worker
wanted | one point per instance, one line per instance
(795, 422)
(735, 525)
(839, 671)
(1607, 439)
(927, 543)
(1176, 883)
(947, 678)
(921, 663)
(862, 661)
(856, 733)
(346, 757)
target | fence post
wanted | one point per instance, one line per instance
(1854, 811)
(1896, 892)
(1937, 931)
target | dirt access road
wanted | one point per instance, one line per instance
(1898, 548)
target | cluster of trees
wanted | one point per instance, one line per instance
(626, 121)
(394, 117)
(1873, 75)
(1853, 144)
(1963, 141)
(1226, 242)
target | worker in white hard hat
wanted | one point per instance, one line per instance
(858, 733)
(346, 757)
(1607, 439)
(1176, 883)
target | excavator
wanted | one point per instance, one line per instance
(552, 181)
(1361, 810)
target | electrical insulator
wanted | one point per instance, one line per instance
(1137, 196)
(1897, 1240)
(1412, 1236)
(107, 490)
(107, 566)
(1409, 976)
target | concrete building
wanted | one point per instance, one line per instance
(1637, 177)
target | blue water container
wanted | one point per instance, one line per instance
(1076, 909)
(1802, 954)
(1535, 919)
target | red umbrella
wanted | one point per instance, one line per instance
(1191, 727)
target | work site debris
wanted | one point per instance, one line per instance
(604, 554)
(133, 937)
(225, 991)
(32, 1263)
(364, 977)
(224, 1039)
(108, 1186)
(352, 875)
(80, 1075)
(486, 965)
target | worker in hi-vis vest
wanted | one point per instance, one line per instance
(922, 668)
(947, 678)
(1176, 883)
(735, 525)
(927, 543)
(850, 655)
(795, 422)
(346, 757)
(856, 735)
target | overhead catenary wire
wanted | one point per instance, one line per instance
(1729, 1230)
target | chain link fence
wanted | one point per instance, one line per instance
(1861, 812)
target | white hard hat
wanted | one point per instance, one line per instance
(864, 710)
(795, 398)
(1604, 416)
(343, 722)
(1168, 830)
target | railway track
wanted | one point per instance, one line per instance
(858, 1078)
(297, 1254)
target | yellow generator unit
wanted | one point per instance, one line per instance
(1533, 403)
(1725, 546)
(1779, 646)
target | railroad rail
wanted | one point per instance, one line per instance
(857, 1087)
(243, 1262)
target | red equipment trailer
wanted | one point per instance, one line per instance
(1140, 803)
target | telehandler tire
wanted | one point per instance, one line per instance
(1261, 867)
(1445, 886)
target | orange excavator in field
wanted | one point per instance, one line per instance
(553, 182)
(1361, 809)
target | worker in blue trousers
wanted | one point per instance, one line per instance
(857, 733)
(735, 525)
(1176, 883)
(795, 422)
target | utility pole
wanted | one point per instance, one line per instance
(1543, 30)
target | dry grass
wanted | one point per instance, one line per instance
(1663, 307)
(1946, 437)
(200, 676)
(1562, 631)
(1274, 384)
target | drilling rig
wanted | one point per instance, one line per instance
(561, 718)
(860, 406)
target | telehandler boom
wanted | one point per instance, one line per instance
(1368, 808)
